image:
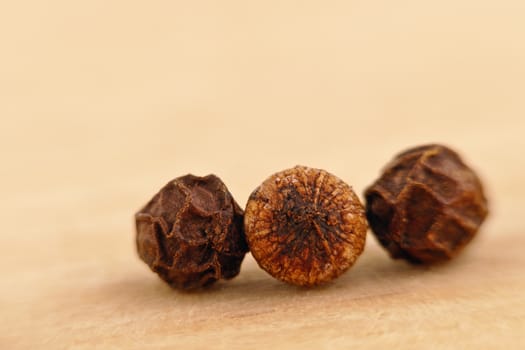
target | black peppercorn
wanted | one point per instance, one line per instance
(427, 205)
(305, 226)
(191, 232)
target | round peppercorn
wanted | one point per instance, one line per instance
(426, 206)
(305, 226)
(191, 232)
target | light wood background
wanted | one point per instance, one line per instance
(103, 102)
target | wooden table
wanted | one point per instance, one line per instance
(102, 103)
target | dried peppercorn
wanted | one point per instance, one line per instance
(426, 206)
(305, 226)
(191, 232)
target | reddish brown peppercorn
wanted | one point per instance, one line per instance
(426, 206)
(305, 226)
(191, 232)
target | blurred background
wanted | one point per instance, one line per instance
(103, 102)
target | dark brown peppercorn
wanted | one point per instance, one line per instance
(191, 232)
(305, 226)
(426, 206)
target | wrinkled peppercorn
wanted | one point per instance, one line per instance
(426, 206)
(305, 226)
(191, 232)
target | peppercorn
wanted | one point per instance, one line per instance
(191, 232)
(305, 226)
(426, 206)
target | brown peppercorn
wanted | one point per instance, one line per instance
(191, 232)
(426, 206)
(305, 226)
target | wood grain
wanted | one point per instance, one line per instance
(101, 103)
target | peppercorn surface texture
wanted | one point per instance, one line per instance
(305, 226)
(426, 206)
(191, 232)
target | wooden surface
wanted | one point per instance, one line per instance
(101, 103)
